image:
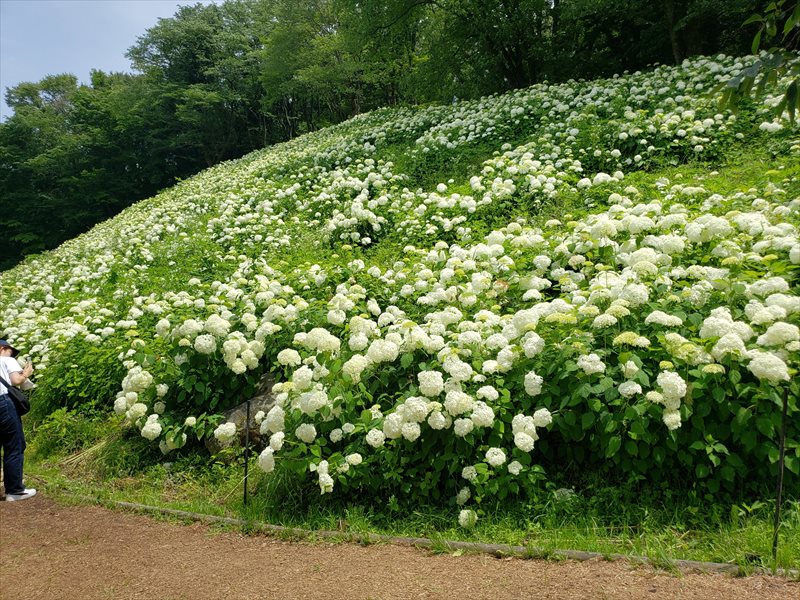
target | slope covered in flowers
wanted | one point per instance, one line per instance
(432, 334)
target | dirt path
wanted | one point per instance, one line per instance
(50, 551)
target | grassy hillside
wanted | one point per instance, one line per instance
(460, 304)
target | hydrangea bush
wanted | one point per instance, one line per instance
(445, 342)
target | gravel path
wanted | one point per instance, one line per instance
(51, 551)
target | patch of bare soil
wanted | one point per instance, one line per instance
(51, 551)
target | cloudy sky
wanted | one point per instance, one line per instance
(44, 37)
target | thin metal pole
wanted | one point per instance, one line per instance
(779, 490)
(246, 451)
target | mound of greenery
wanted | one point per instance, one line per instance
(457, 301)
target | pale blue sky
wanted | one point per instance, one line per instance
(47, 37)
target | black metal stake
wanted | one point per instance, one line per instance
(246, 451)
(779, 490)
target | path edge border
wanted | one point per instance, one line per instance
(422, 542)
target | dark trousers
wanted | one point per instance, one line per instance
(12, 440)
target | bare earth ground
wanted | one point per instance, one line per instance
(51, 551)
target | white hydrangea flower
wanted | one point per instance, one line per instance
(495, 457)
(523, 441)
(487, 392)
(458, 403)
(533, 384)
(438, 420)
(136, 412)
(325, 483)
(482, 415)
(382, 351)
(462, 427)
(768, 367)
(306, 433)
(515, 467)
(411, 431)
(225, 433)
(542, 418)
(672, 419)
(266, 460)
(730, 343)
(628, 389)
(152, 428)
(591, 364)
(431, 383)
(469, 473)
(603, 321)
(274, 421)
(355, 366)
(289, 357)
(532, 344)
(303, 378)
(779, 334)
(467, 518)
(375, 438)
(661, 318)
(276, 441)
(393, 426)
(672, 385)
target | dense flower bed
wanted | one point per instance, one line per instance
(415, 353)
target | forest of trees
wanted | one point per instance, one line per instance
(217, 81)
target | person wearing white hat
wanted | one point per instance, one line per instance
(12, 438)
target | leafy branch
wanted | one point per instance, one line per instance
(779, 62)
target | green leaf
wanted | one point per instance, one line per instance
(772, 28)
(587, 420)
(773, 454)
(756, 18)
(631, 448)
(727, 473)
(613, 447)
(702, 471)
(749, 439)
(574, 400)
(764, 425)
(756, 40)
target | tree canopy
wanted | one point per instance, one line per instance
(217, 81)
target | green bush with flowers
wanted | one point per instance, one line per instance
(447, 342)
